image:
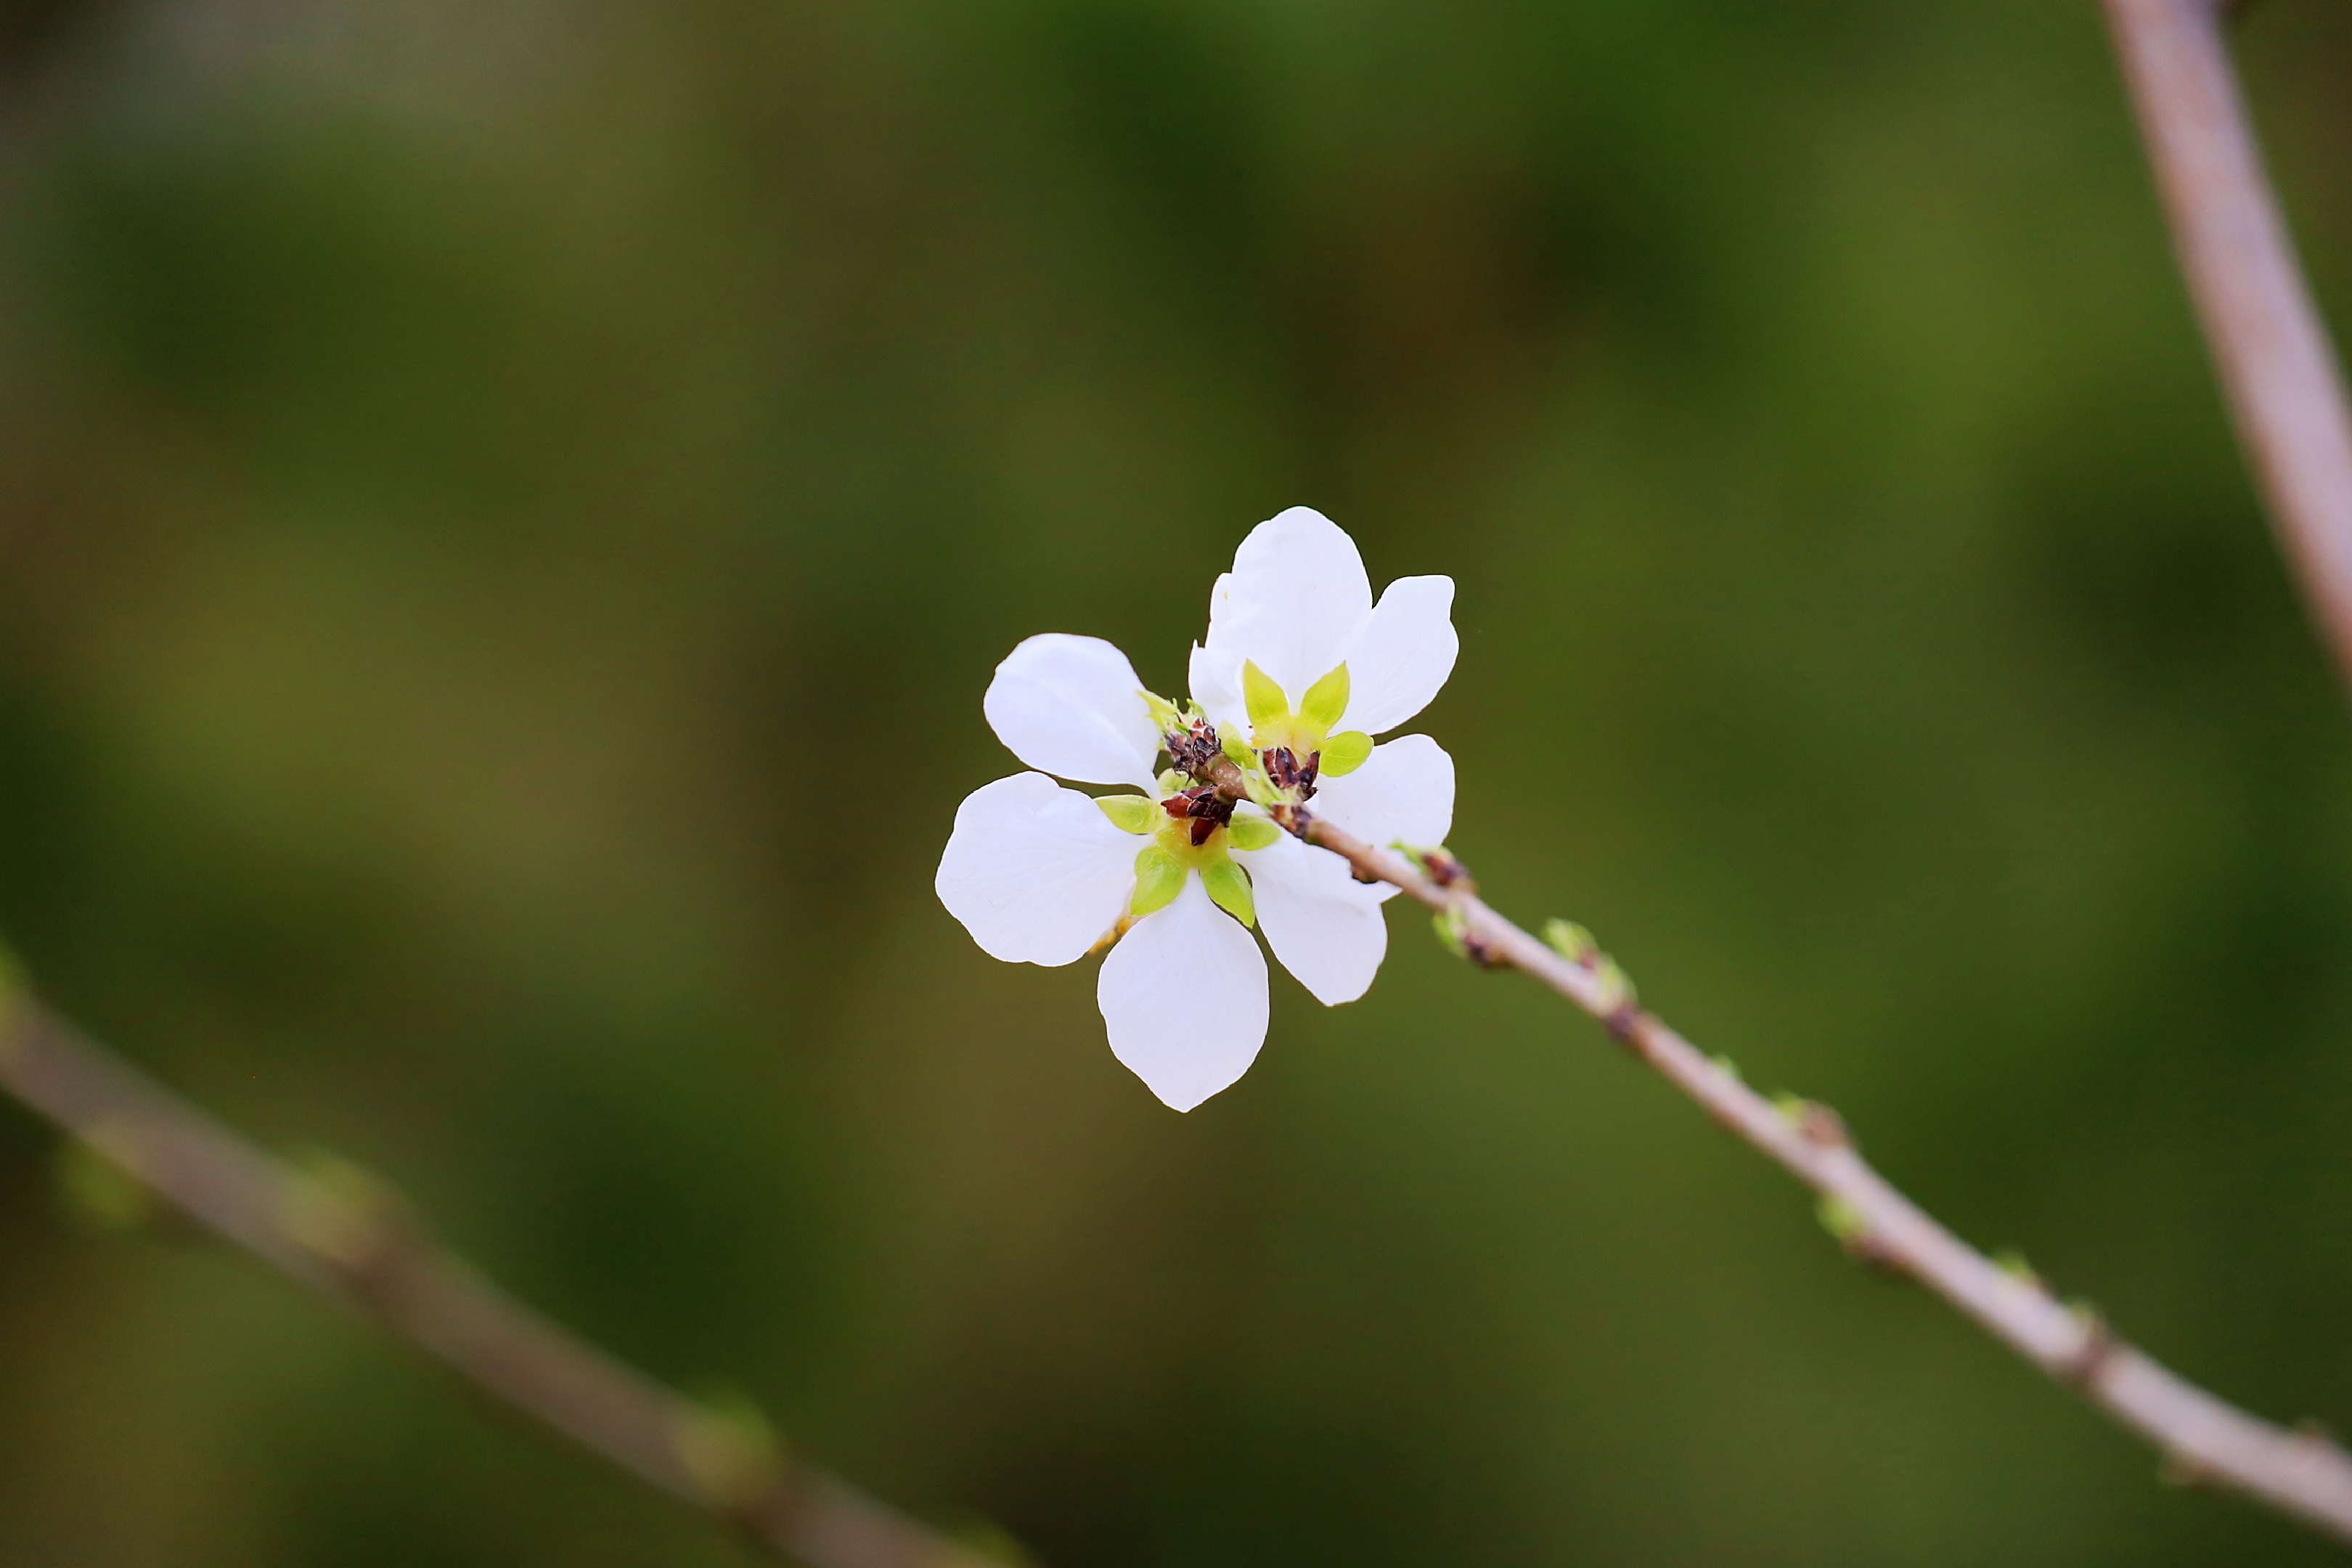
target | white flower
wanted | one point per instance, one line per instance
(1300, 669)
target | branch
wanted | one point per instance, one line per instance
(2285, 391)
(349, 1238)
(2303, 1472)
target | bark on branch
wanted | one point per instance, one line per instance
(350, 1238)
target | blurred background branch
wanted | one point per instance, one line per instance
(2268, 343)
(336, 1229)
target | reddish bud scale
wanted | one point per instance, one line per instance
(1207, 809)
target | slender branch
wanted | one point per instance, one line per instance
(2285, 389)
(347, 1237)
(2302, 1472)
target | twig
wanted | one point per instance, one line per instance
(2303, 1472)
(345, 1235)
(2286, 390)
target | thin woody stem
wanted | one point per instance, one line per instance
(349, 1238)
(2285, 389)
(2300, 1472)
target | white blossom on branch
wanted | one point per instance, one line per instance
(1299, 671)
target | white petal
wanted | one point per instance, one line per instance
(1220, 600)
(1403, 656)
(1324, 925)
(1184, 996)
(1036, 872)
(1296, 598)
(1402, 795)
(1217, 682)
(1073, 706)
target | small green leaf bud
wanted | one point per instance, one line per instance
(1229, 887)
(1344, 752)
(729, 1446)
(1265, 699)
(1326, 699)
(1158, 877)
(1129, 812)
(1570, 940)
(1617, 993)
(2097, 1342)
(1235, 744)
(340, 1210)
(1453, 926)
(1843, 1220)
(989, 1540)
(1164, 713)
(97, 1190)
(1253, 832)
(1174, 779)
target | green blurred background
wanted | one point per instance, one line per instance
(507, 511)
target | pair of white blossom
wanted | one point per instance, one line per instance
(1298, 670)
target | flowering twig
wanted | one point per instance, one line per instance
(2302, 1472)
(344, 1235)
(2286, 390)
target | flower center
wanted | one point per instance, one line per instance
(1282, 758)
(1183, 844)
(1296, 746)
(1195, 813)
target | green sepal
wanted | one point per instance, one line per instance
(1164, 713)
(1261, 789)
(1344, 752)
(1158, 877)
(1265, 699)
(1230, 888)
(1252, 832)
(1326, 699)
(1129, 812)
(1174, 779)
(1237, 744)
